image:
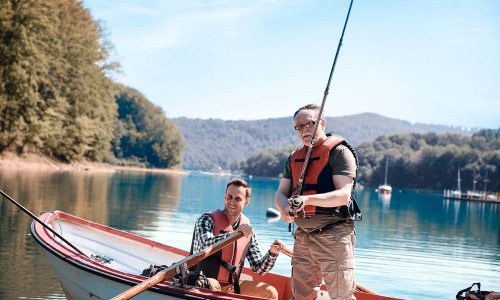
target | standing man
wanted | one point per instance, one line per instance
(223, 269)
(324, 211)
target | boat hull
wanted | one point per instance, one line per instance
(113, 260)
(81, 284)
(385, 189)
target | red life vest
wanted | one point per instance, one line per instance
(233, 255)
(318, 177)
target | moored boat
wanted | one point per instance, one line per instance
(385, 189)
(112, 260)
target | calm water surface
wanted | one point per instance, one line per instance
(414, 245)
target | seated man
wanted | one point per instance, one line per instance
(223, 269)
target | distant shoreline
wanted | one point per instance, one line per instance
(36, 162)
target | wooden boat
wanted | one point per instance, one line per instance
(112, 260)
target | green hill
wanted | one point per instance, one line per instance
(211, 144)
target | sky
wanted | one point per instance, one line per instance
(425, 61)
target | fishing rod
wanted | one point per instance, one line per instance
(296, 203)
(42, 223)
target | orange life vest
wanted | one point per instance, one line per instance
(318, 177)
(229, 259)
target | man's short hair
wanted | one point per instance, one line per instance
(240, 183)
(308, 106)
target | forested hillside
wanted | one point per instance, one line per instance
(56, 96)
(415, 160)
(214, 143)
(143, 134)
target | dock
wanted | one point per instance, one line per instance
(472, 195)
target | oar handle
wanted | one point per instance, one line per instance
(174, 269)
(289, 252)
(159, 277)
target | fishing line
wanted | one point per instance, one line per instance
(42, 223)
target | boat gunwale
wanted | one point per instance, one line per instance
(70, 256)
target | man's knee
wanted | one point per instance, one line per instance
(271, 292)
(260, 289)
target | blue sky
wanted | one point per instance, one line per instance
(427, 61)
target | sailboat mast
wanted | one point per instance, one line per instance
(458, 180)
(485, 180)
(474, 180)
(386, 167)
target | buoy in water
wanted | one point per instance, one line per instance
(272, 213)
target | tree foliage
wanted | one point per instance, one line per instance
(143, 133)
(432, 161)
(416, 160)
(54, 94)
(267, 163)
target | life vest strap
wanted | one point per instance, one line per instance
(303, 159)
(234, 275)
(309, 186)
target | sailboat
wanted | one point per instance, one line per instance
(385, 188)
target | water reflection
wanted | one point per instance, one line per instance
(106, 198)
(452, 207)
(385, 200)
(150, 194)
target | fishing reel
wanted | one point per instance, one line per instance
(296, 207)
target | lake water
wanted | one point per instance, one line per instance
(414, 245)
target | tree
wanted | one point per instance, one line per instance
(143, 133)
(55, 96)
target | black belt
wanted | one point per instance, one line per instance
(328, 226)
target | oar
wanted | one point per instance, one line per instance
(289, 252)
(29, 213)
(173, 270)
